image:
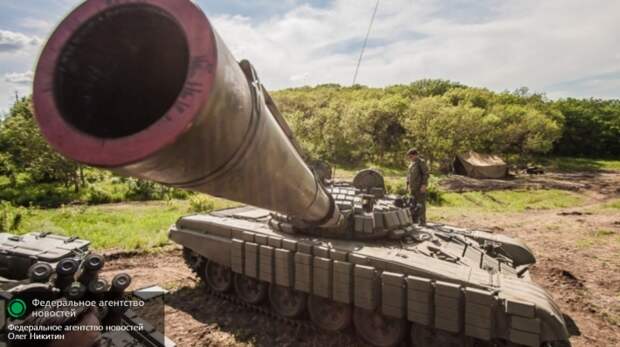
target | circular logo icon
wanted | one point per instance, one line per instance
(16, 308)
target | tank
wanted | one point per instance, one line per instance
(149, 89)
(46, 266)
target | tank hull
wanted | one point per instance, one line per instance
(463, 293)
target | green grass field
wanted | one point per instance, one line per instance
(596, 237)
(144, 225)
(613, 204)
(127, 226)
(510, 200)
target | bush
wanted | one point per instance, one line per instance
(42, 194)
(10, 217)
(396, 186)
(96, 196)
(591, 128)
(353, 125)
(201, 203)
(433, 191)
(141, 190)
(179, 194)
(434, 195)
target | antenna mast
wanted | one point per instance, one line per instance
(359, 62)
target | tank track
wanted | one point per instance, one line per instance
(196, 263)
(265, 310)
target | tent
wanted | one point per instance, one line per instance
(478, 165)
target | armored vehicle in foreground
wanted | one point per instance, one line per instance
(58, 269)
(148, 89)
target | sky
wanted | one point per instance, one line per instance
(563, 48)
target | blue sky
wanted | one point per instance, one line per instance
(559, 47)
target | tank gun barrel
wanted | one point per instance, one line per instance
(148, 89)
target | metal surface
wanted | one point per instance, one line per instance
(150, 90)
(18, 253)
(377, 329)
(250, 290)
(287, 302)
(456, 283)
(329, 315)
(218, 277)
(53, 278)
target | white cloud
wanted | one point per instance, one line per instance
(20, 78)
(13, 41)
(300, 77)
(34, 23)
(554, 46)
(526, 43)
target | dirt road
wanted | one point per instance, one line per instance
(578, 253)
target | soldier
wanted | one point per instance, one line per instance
(417, 181)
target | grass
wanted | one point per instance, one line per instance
(613, 204)
(510, 200)
(127, 226)
(101, 187)
(573, 164)
(600, 236)
(144, 225)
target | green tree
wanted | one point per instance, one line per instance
(522, 130)
(23, 150)
(441, 130)
(592, 127)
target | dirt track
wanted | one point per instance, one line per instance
(578, 252)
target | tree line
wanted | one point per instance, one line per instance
(441, 118)
(353, 126)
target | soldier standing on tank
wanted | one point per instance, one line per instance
(417, 182)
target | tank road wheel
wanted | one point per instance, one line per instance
(559, 343)
(329, 315)
(194, 261)
(287, 302)
(377, 329)
(425, 337)
(218, 277)
(250, 290)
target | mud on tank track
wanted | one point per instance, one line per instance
(197, 315)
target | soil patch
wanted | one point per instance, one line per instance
(602, 183)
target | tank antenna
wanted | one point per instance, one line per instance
(359, 61)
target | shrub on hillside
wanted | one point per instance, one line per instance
(201, 203)
(10, 217)
(46, 195)
(433, 191)
(398, 187)
(95, 196)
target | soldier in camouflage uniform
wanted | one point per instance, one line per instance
(417, 181)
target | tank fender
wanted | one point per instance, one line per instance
(214, 247)
(533, 320)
